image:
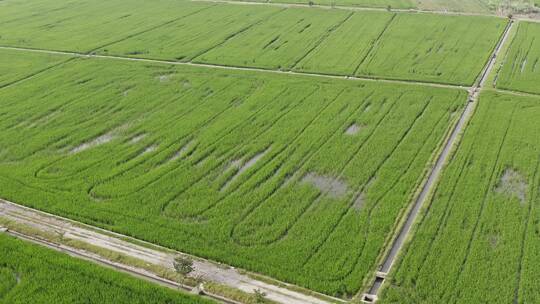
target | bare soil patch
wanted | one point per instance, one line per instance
(359, 202)
(100, 140)
(493, 240)
(244, 167)
(137, 138)
(164, 78)
(149, 149)
(513, 184)
(334, 187)
(180, 153)
(353, 129)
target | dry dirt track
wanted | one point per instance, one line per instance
(113, 242)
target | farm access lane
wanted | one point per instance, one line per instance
(151, 254)
(405, 231)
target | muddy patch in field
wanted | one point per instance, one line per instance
(181, 152)
(367, 108)
(244, 166)
(359, 202)
(164, 78)
(100, 140)
(512, 184)
(149, 149)
(493, 240)
(334, 187)
(353, 129)
(137, 138)
(523, 65)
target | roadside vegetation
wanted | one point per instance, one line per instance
(32, 274)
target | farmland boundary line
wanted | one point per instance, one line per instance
(405, 231)
(353, 8)
(239, 68)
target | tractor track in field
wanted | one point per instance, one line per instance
(404, 232)
(146, 252)
(240, 68)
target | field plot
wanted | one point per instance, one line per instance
(84, 25)
(32, 274)
(482, 226)
(240, 167)
(191, 36)
(14, 67)
(402, 4)
(280, 42)
(521, 67)
(344, 49)
(467, 6)
(427, 47)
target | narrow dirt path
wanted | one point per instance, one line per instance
(235, 68)
(433, 176)
(151, 254)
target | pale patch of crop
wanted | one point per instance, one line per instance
(512, 184)
(353, 129)
(332, 186)
(103, 139)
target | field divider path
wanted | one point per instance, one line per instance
(146, 252)
(238, 68)
(352, 8)
(433, 175)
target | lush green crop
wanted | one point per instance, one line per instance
(479, 240)
(427, 47)
(424, 47)
(14, 67)
(402, 4)
(194, 35)
(278, 43)
(521, 67)
(84, 25)
(344, 49)
(32, 274)
(301, 178)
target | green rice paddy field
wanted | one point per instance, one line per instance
(481, 227)
(239, 167)
(521, 67)
(33, 274)
(300, 177)
(411, 47)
